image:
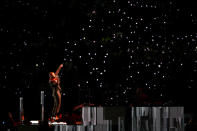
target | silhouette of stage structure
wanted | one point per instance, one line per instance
(112, 119)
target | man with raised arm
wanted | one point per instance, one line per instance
(54, 82)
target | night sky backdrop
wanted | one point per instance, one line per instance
(109, 48)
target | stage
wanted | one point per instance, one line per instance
(114, 119)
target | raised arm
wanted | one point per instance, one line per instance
(58, 70)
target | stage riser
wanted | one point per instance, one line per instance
(124, 119)
(135, 118)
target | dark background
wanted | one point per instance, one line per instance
(37, 36)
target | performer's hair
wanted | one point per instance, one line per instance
(50, 73)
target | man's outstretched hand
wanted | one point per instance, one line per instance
(61, 65)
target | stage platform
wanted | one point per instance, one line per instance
(117, 119)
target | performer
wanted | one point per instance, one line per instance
(54, 82)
